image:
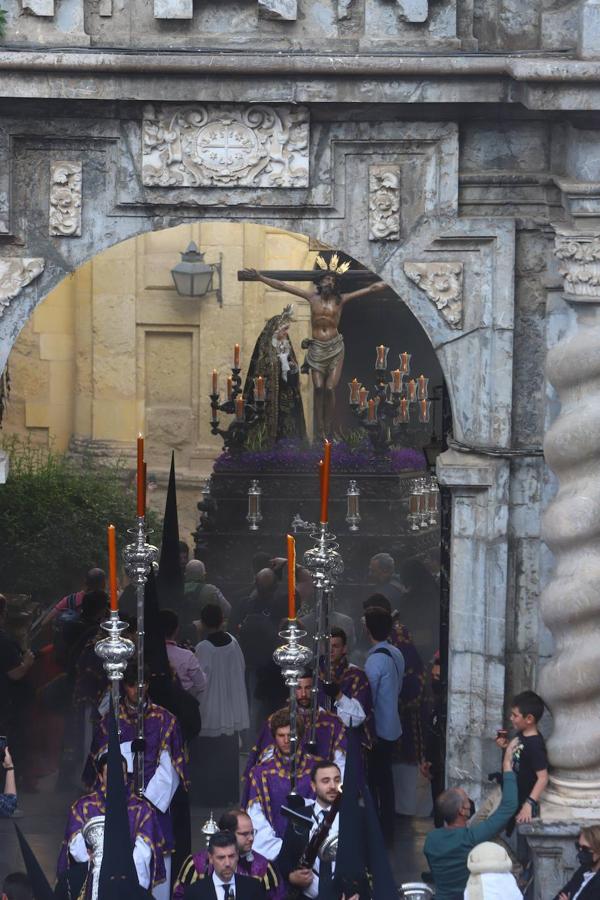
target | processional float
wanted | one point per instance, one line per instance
(325, 565)
(116, 650)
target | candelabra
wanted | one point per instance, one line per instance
(115, 651)
(387, 407)
(423, 503)
(325, 565)
(247, 414)
(139, 557)
(293, 658)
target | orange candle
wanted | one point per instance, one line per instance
(215, 382)
(325, 481)
(260, 388)
(239, 408)
(412, 390)
(405, 360)
(362, 397)
(371, 414)
(291, 559)
(236, 356)
(112, 567)
(229, 387)
(140, 475)
(404, 410)
(397, 381)
(145, 484)
(354, 390)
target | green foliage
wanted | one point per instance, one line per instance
(53, 517)
(2, 22)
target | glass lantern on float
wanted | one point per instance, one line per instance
(254, 517)
(423, 503)
(353, 510)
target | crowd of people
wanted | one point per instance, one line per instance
(210, 688)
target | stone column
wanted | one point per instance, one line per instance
(478, 589)
(570, 681)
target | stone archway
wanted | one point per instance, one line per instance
(390, 196)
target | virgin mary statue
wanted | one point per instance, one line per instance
(275, 360)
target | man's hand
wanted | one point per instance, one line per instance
(301, 878)
(564, 896)
(524, 814)
(425, 769)
(379, 286)
(502, 742)
(28, 659)
(8, 763)
(251, 274)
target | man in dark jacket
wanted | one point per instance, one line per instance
(224, 883)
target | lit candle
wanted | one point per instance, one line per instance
(404, 410)
(325, 481)
(215, 382)
(405, 360)
(112, 567)
(381, 357)
(239, 408)
(362, 397)
(140, 476)
(236, 356)
(397, 381)
(424, 410)
(422, 387)
(260, 388)
(291, 561)
(229, 387)
(145, 484)
(371, 415)
(354, 390)
(412, 390)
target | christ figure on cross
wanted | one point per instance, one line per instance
(325, 355)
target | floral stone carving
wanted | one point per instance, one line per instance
(581, 264)
(225, 144)
(442, 282)
(65, 198)
(15, 273)
(384, 203)
(283, 10)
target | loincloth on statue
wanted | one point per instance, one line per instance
(323, 356)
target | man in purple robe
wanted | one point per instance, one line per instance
(146, 836)
(349, 689)
(250, 862)
(330, 735)
(165, 766)
(269, 785)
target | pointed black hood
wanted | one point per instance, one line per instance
(170, 576)
(117, 866)
(39, 883)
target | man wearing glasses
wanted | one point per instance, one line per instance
(250, 863)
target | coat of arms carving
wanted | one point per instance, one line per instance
(225, 145)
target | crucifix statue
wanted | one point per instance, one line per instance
(325, 353)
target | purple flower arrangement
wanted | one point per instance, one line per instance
(292, 456)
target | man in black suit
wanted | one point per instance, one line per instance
(224, 884)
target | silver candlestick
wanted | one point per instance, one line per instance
(115, 651)
(139, 557)
(292, 658)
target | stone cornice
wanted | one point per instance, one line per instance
(537, 68)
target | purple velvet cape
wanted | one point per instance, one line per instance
(143, 822)
(197, 866)
(330, 735)
(353, 683)
(161, 732)
(269, 785)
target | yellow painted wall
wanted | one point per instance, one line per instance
(114, 350)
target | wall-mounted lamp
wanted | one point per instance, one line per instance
(193, 277)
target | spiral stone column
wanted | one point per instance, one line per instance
(570, 681)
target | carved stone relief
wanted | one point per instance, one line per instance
(384, 203)
(39, 7)
(442, 283)
(344, 9)
(581, 265)
(65, 198)
(283, 10)
(225, 144)
(15, 273)
(173, 9)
